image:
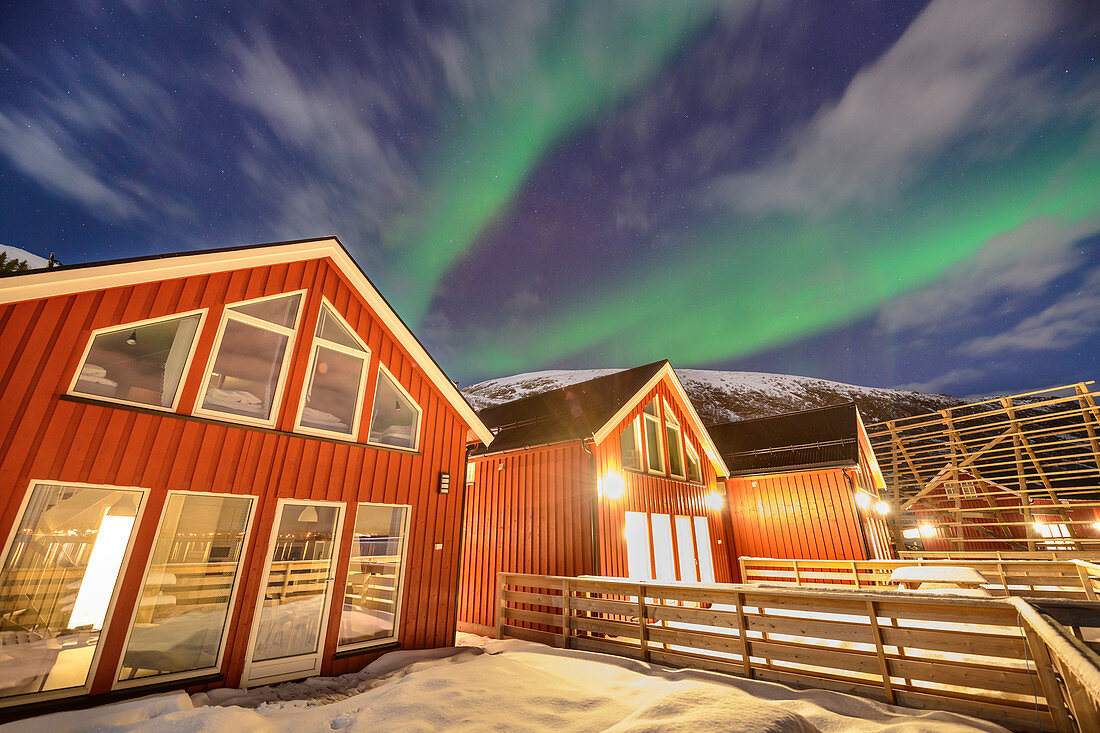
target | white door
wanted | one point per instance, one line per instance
(664, 562)
(292, 614)
(702, 541)
(637, 546)
(685, 550)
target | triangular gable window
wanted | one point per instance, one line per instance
(332, 400)
(395, 420)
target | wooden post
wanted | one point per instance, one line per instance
(500, 605)
(746, 650)
(1086, 581)
(566, 616)
(797, 579)
(1052, 691)
(855, 573)
(884, 666)
(643, 630)
(1004, 576)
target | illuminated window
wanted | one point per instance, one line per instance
(182, 614)
(471, 472)
(631, 446)
(675, 444)
(58, 582)
(139, 363)
(695, 468)
(655, 459)
(968, 488)
(332, 401)
(1055, 532)
(396, 417)
(249, 362)
(372, 600)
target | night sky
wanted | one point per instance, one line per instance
(883, 193)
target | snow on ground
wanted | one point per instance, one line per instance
(508, 685)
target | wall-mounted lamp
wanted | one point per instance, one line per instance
(715, 501)
(612, 486)
(863, 501)
(132, 338)
(444, 483)
(882, 507)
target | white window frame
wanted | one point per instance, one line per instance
(636, 426)
(108, 618)
(280, 386)
(201, 312)
(672, 423)
(692, 455)
(471, 471)
(241, 569)
(400, 591)
(365, 354)
(660, 471)
(419, 413)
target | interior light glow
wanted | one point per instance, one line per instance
(882, 507)
(612, 486)
(912, 533)
(98, 582)
(715, 501)
(863, 500)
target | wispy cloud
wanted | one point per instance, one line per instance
(1063, 325)
(953, 75)
(941, 383)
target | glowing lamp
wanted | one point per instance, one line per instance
(715, 501)
(927, 530)
(863, 501)
(882, 507)
(1096, 526)
(612, 486)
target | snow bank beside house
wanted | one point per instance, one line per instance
(514, 685)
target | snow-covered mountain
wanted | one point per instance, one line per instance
(33, 261)
(725, 396)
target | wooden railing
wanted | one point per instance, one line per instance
(976, 656)
(1044, 578)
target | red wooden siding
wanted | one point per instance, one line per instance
(804, 514)
(657, 494)
(43, 437)
(527, 511)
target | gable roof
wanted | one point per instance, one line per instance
(70, 279)
(818, 438)
(587, 410)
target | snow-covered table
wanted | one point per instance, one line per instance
(937, 577)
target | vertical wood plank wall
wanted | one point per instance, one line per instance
(527, 511)
(658, 494)
(805, 514)
(46, 438)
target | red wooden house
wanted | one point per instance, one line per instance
(615, 476)
(218, 468)
(804, 485)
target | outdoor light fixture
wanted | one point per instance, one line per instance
(612, 486)
(863, 500)
(1096, 526)
(714, 501)
(882, 507)
(132, 338)
(444, 483)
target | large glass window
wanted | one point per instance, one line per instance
(298, 581)
(332, 400)
(372, 600)
(182, 613)
(675, 445)
(248, 367)
(57, 583)
(654, 456)
(631, 446)
(141, 363)
(396, 418)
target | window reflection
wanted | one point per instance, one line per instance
(58, 579)
(373, 594)
(396, 418)
(184, 603)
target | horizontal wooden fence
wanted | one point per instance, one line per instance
(976, 656)
(1066, 555)
(1074, 579)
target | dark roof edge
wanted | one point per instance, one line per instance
(794, 469)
